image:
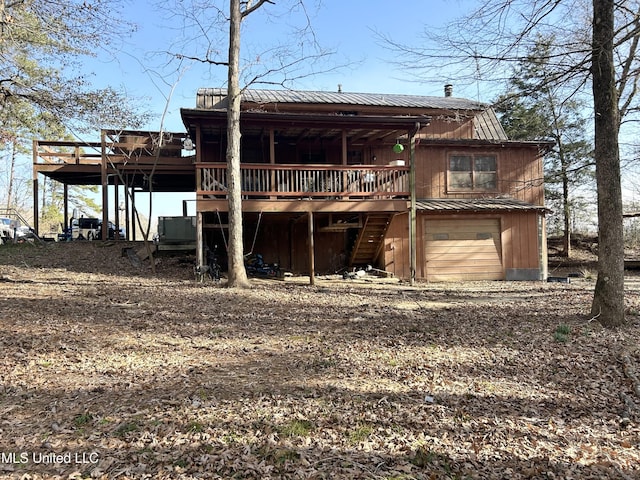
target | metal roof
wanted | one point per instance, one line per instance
(215, 98)
(488, 127)
(475, 205)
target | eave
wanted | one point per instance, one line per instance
(304, 125)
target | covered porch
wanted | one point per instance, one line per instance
(312, 167)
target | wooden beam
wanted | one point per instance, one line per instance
(127, 223)
(312, 261)
(412, 204)
(116, 206)
(200, 260)
(105, 191)
(272, 157)
(65, 206)
(134, 215)
(295, 206)
(36, 213)
(344, 148)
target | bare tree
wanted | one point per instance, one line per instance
(237, 273)
(499, 33)
(280, 65)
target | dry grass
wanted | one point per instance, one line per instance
(162, 377)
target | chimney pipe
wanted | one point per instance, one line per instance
(448, 90)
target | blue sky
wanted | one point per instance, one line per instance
(347, 27)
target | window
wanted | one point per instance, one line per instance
(472, 172)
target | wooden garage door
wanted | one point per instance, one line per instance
(463, 249)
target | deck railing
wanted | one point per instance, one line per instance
(306, 181)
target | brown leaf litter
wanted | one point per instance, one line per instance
(109, 372)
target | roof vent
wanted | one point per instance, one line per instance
(448, 90)
(339, 88)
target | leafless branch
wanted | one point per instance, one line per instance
(252, 8)
(209, 61)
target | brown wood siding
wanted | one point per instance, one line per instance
(518, 241)
(431, 172)
(330, 248)
(395, 253)
(449, 128)
(519, 173)
(284, 239)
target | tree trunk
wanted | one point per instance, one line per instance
(237, 273)
(608, 298)
(566, 213)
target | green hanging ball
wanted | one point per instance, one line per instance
(397, 148)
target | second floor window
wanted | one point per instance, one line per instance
(472, 172)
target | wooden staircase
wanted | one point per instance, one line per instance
(370, 240)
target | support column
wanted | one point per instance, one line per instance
(65, 203)
(134, 216)
(200, 260)
(116, 203)
(127, 223)
(36, 213)
(105, 190)
(272, 160)
(312, 260)
(412, 207)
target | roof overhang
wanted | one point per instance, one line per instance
(544, 146)
(488, 205)
(302, 125)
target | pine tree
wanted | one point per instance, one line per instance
(536, 108)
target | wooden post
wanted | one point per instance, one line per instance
(116, 203)
(133, 213)
(412, 208)
(344, 155)
(36, 213)
(272, 161)
(65, 207)
(127, 223)
(200, 260)
(312, 269)
(105, 185)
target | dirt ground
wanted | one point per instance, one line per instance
(107, 371)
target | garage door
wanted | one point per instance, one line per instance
(463, 249)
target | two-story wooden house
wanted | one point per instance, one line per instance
(423, 187)
(427, 188)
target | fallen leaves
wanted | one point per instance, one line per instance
(163, 377)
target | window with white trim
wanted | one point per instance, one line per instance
(472, 172)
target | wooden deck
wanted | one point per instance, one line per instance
(309, 182)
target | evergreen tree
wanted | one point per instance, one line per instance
(536, 108)
(43, 91)
(42, 43)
